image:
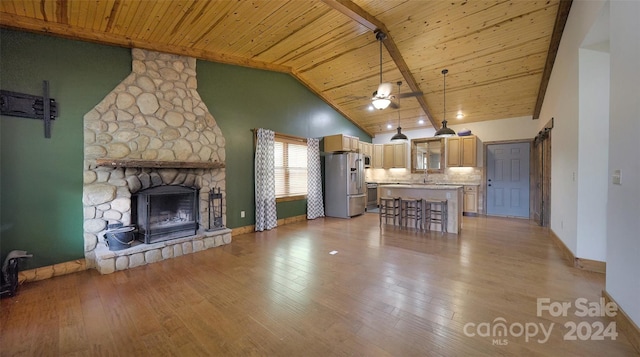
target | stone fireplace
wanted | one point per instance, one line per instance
(151, 134)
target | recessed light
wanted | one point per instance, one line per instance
(371, 108)
(421, 121)
(389, 126)
(459, 115)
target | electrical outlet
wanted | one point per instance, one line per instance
(241, 214)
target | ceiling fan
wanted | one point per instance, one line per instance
(382, 97)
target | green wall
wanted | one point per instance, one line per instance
(241, 99)
(41, 179)
(41, 185)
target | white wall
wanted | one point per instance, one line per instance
(494, 130)
(573, 144)
(486, 131)
(593, 154)
(623, 205)
(562, 103)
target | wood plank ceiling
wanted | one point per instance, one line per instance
(499, 53)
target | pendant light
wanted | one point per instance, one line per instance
(380, 98)
(444, 131)
(399, 136)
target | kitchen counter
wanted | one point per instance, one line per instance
(423, 186)
(452, 193)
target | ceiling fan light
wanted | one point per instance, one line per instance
(399, 136)
(380, 103)
(384, 90)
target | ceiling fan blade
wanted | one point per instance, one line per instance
(408, 95)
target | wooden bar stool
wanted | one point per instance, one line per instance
(389, 209)
(438, 214)
(411, 209)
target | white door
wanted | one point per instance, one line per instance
(508, 180)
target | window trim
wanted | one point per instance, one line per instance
(293, 140)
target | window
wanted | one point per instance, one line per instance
(290, 166)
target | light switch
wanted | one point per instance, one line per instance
(617, 177)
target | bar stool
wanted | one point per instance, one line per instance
(389, 209)
(411, 209)
(438, 214)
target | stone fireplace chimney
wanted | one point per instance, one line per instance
(152, 130)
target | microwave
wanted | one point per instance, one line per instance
(367, 161)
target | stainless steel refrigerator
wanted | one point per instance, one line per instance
(344, 185)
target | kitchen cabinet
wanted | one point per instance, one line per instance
(462, 151)
(470, 206)
(378, 156)
(394, 156)
(341, 142)
(366, 148)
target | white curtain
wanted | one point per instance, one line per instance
(266, 217)
(315, 205)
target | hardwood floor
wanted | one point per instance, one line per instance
(387, 292)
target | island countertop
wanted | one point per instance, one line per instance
(452, 193)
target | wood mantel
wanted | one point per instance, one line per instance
(104, 162)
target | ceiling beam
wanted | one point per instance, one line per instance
(365, 19)
(561, 20)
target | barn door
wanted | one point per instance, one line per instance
(541, 177)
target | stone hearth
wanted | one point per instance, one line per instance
(155, 115)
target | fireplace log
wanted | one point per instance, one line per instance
(159, 164)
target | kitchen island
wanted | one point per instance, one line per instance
(452, 193)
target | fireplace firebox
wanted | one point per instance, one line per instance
(166, 212)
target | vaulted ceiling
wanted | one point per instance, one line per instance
(499, 53)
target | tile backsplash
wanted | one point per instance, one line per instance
(458, 175)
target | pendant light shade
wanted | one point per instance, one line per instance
(444, 131)
(399, 136)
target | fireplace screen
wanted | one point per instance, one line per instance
(166, 212)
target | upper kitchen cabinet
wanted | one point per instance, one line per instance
(378, 156)
(462, 151)
(341, 142)
(366, 148)
(395, 156)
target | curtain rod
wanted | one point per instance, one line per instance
(286, 136)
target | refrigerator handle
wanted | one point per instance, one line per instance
(359, 177)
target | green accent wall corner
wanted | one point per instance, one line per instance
(41, 180)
